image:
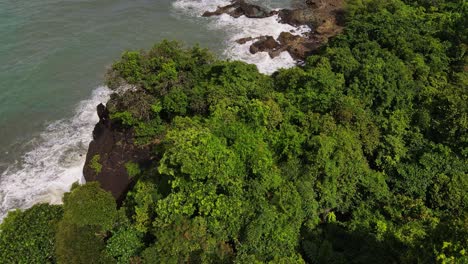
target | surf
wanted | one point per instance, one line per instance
(55, 163)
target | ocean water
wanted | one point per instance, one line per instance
(53, 56)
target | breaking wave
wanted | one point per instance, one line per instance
(242, 27)
(55, 163)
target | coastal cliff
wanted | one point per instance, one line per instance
(113, 146)
(109, 154)
(358, 155)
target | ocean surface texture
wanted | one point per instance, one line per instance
(54, 54)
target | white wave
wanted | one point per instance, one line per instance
(247, 27)
(198, 7)
(50, 168)
(243, 27)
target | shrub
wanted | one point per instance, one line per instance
(29, 236)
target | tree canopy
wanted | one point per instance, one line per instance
(358, 156)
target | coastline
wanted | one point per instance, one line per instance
(55, 161)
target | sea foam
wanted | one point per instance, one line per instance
(55, 163)
(242, 27)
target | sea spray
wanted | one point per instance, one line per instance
(255, 27)
(50, 168)
(242, 27)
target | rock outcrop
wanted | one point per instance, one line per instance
(323, 16)
(265, 43)
(113, 146)
(240, 8)
(298, 17)
(110, 150)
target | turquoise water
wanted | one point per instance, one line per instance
(53, 53)
(53, 57)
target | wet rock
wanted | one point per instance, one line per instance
(300, 47)
(286, 38)
(316, 3)
(298, 17)
(302, 50)
(267, 43)
(240, 8)
(297, 46)
(102, 112)
(328, 27)
(325, 17)
(244, 40)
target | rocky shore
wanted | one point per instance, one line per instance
(112, 147)
(324, 17)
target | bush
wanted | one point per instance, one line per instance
(80, 244)
(124, 244)
(89, 205)
(29, 236)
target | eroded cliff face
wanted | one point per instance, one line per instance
(111, 149)
(113, 146)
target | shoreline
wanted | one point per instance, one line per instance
(49, 168)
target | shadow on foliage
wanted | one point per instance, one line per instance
(331, 243)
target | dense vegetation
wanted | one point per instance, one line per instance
(360, 156)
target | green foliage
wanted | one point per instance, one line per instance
(144, 197)
(80, 245)
(88, 212)
(365, 142)
(125, 117)
(124, 244)
(29, 236)
(133, 169)
(129, 68)
(359, 156)
(95, 164)
(89, 205)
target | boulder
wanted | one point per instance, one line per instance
(240, 8)
(298, 17)
(299, 47)
(325, 17)
(244, 40)
(102, 112)
(266, 43)
(286, 38)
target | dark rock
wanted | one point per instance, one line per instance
(244, 40)
(296, 4)
(315, 3)
(102, 112)
(115, 148)
(229, 9)
(298, 17)
(302, 50)
(300, 47)
(275, 53)
(253, 11)
(267, 43)
(324, 16)
(240, 8)
(286, 38)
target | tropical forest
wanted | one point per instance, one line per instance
(357, 155)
